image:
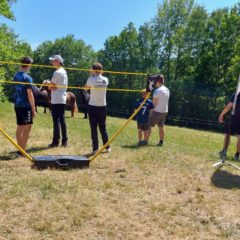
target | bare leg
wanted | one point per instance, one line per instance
(22, 134)
(139, 135)
(146, 134)
(238, 143)
(226, 141)
(161, 133)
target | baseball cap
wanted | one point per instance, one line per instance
(56, 57)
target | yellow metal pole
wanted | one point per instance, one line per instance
(120, 130)
(16, 145)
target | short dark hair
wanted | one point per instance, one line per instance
(25, 61)
(97, 66)
(160, 78)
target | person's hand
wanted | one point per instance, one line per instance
(34, 113)
(220, 118)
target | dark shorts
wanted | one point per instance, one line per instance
(157, 118)
(143, 126)
(233, 126)
(24, 116)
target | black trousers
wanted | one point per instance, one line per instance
(58, 117)
(97, 118)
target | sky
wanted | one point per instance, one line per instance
(90, 20)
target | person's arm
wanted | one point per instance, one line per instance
(155, 100)
(224, 111)
(31, 101)
(54, 81)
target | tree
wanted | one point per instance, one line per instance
(5, 9)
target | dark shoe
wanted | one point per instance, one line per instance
(236, 157)
(19, 154)
(160, 144)
(144, 143)
(52, 145)
(223, 154)
(140, 143)
(64, 144)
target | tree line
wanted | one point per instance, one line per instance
(198, 52)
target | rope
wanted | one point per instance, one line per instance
(76, 69)
(71, 87)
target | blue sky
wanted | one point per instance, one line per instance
(90, 20)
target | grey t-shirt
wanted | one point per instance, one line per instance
(98, 86)
(59, 95)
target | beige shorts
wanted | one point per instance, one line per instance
(157, 118)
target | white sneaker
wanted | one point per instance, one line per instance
(108, 150)
(93, 152)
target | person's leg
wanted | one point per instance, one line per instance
(22, 135)
(25, 135)
(139, 135)
(93, 126)
(145, 133)
(63, 124)
(161, 133)
(102, 114)
(56, 124)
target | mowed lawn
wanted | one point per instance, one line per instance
(150, 192)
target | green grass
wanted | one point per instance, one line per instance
(133, 193)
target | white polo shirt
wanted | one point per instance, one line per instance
(98, 90)
(162, 94)
(59, 95)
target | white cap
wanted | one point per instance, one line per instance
(56, 57)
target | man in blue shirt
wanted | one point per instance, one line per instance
(142, 119)
(24, 103)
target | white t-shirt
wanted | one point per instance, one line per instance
(98, 86)
(59, 95)
(162, 94)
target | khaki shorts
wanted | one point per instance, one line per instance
(157, 118)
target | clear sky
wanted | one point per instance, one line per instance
(90, 20)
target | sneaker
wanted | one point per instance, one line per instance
(93, 152)
(160, 144)
(64, 144)
(222, 154)
(144, 143)
(236, 157)
(108, 150)
(140, 143)
(52, 145)
(19, 154)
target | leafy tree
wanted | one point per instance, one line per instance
(5, 9)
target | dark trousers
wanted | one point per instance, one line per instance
(58, 117)
(97, 118)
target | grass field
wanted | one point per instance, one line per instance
(132, 193)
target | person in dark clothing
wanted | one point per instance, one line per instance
(85, 97)
(142, 118)
(233, 125)
(97, 109)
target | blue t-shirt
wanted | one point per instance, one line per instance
(142, 116)
(20, 94)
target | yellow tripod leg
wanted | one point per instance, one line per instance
(16, 145)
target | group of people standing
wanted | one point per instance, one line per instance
(25, 105)
(97, 111)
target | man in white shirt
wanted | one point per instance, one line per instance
(160, 100)
(97, 109)
(58, 101)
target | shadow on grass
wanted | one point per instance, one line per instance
(8, 157)
(136, 146)
(226, 180)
